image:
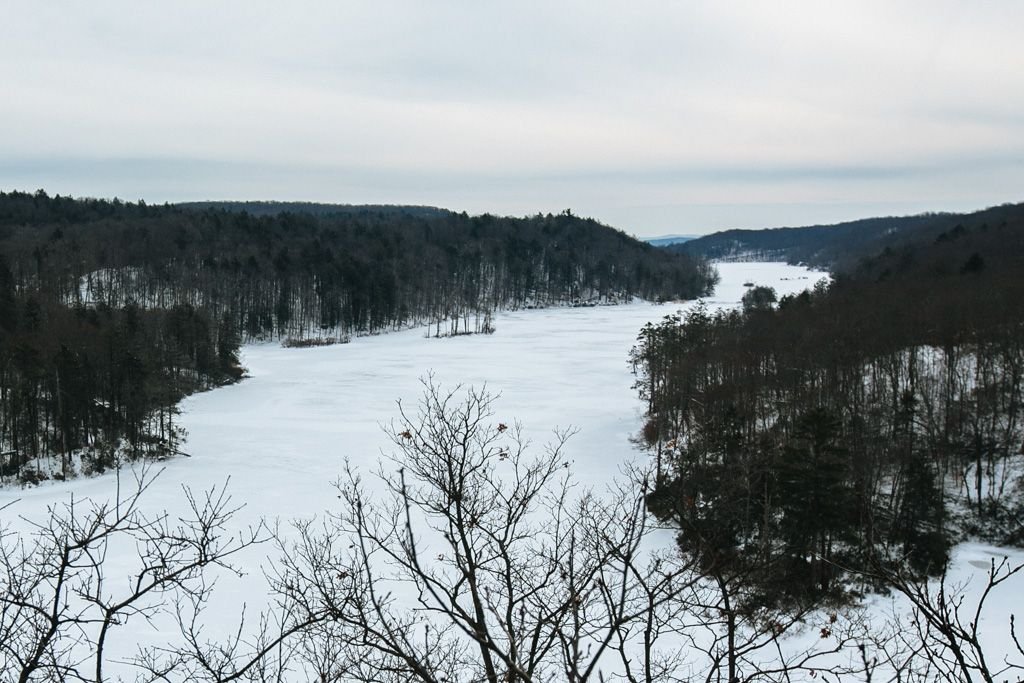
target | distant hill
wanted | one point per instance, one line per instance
(841, 245)
(269, 208)
(668, 240)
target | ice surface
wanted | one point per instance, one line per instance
(282, 434)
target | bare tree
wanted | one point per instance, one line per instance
(938, 635)
(59, 603)
(478, 560)
(470, 558)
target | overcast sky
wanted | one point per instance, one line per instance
(654, 117)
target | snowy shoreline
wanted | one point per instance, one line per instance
(280, 437)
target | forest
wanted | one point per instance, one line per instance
(834, 441)
(111, 312)
(268, 208)
(843, 245)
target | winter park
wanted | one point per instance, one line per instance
(551, 342)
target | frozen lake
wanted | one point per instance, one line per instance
(282, 434)
(285, 430)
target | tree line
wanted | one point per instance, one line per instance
(82, 388)
(843, 245)
(847, 436)
(111, 312)
(349, 272)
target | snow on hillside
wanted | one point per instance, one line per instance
(280, 437)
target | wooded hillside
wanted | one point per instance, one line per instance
(111, 312)
(843, 245)
(257, 208)
(866, 425)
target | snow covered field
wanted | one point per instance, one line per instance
(282, 434)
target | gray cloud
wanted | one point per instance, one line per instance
(656, 117)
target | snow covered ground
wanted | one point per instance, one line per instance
(282, 434)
